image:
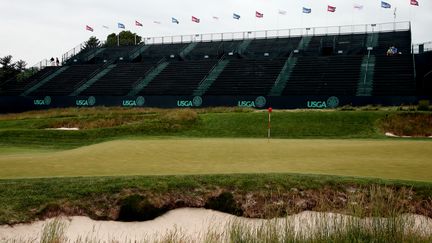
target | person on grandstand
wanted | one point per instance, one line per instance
(390, 51)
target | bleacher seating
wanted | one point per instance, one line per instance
(157, 52)
(324, 65)
(113, 54)
(272, 48)
(401, 40)
(179, 78)
(66, 82)
(14, 87)
(333, 75)
(120, 80)
(394, 75)
(247, 77)
(214, 50)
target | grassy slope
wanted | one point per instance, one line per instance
(28, 130)
(409, 160)
(22, 200)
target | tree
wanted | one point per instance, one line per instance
(10, 69)
(127, 38)
(92, 42)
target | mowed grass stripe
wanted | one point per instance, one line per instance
(391, 159)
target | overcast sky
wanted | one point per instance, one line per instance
(33, 30)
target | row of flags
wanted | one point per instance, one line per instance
(258, 14)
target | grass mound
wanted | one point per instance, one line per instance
(408, 124)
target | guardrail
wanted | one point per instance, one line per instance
(263, 34)
(423, 47)
(297, 32)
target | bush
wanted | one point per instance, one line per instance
(423, 105)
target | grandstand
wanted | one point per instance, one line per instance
(283, 69)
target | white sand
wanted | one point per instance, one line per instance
(194, 224)
(64, 129)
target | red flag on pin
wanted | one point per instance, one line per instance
(195, 19)
(89, 28)
(331, 9)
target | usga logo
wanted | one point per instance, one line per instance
(45, 101)
(258, 102)
(197, 101)
(139, 101)
(91, 101)
(331, 102)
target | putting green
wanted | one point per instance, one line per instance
(392, 159)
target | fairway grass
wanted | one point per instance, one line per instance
(390, 159)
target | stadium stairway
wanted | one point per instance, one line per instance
(283, 77)
(365, 84)
(187, 49)
(179, 78)
(66, 82)
(81, 87)
(150, 75)
(241, 49)
(45, 80)
(211, 77)
(330, 75)
(247, 77)
(138, 51)
(119, 80)
(14, 87)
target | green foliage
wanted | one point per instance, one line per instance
(91, 43)
(10, 69)
(423, 105)
(127, 38)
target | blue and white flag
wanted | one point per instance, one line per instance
(121, 26)
(385, 5)
(236, 16)
(174, 20)
(307, 10)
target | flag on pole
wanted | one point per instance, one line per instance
(358, 6)
(89, 28)
(174, 20)
(156, 22)
(414, 2)
(259, 15)
(121, 26)
(282, 12)
(236, 16)
(195, 19)
(385, 5)
(105, 27)
(215, 17)
(307, 10)
(331, 9)
(138, 23)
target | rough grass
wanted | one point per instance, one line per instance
(408, 124)
(259, 195)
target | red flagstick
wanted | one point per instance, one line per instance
(269, 123)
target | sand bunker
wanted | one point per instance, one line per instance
(191, 224)
(64, 129)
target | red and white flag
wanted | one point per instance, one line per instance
(89, 28)
(156, 22)
(414, 2)
(195, 19)
(138, 23)
(331, 9)
(216, 17)
(259, 15)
